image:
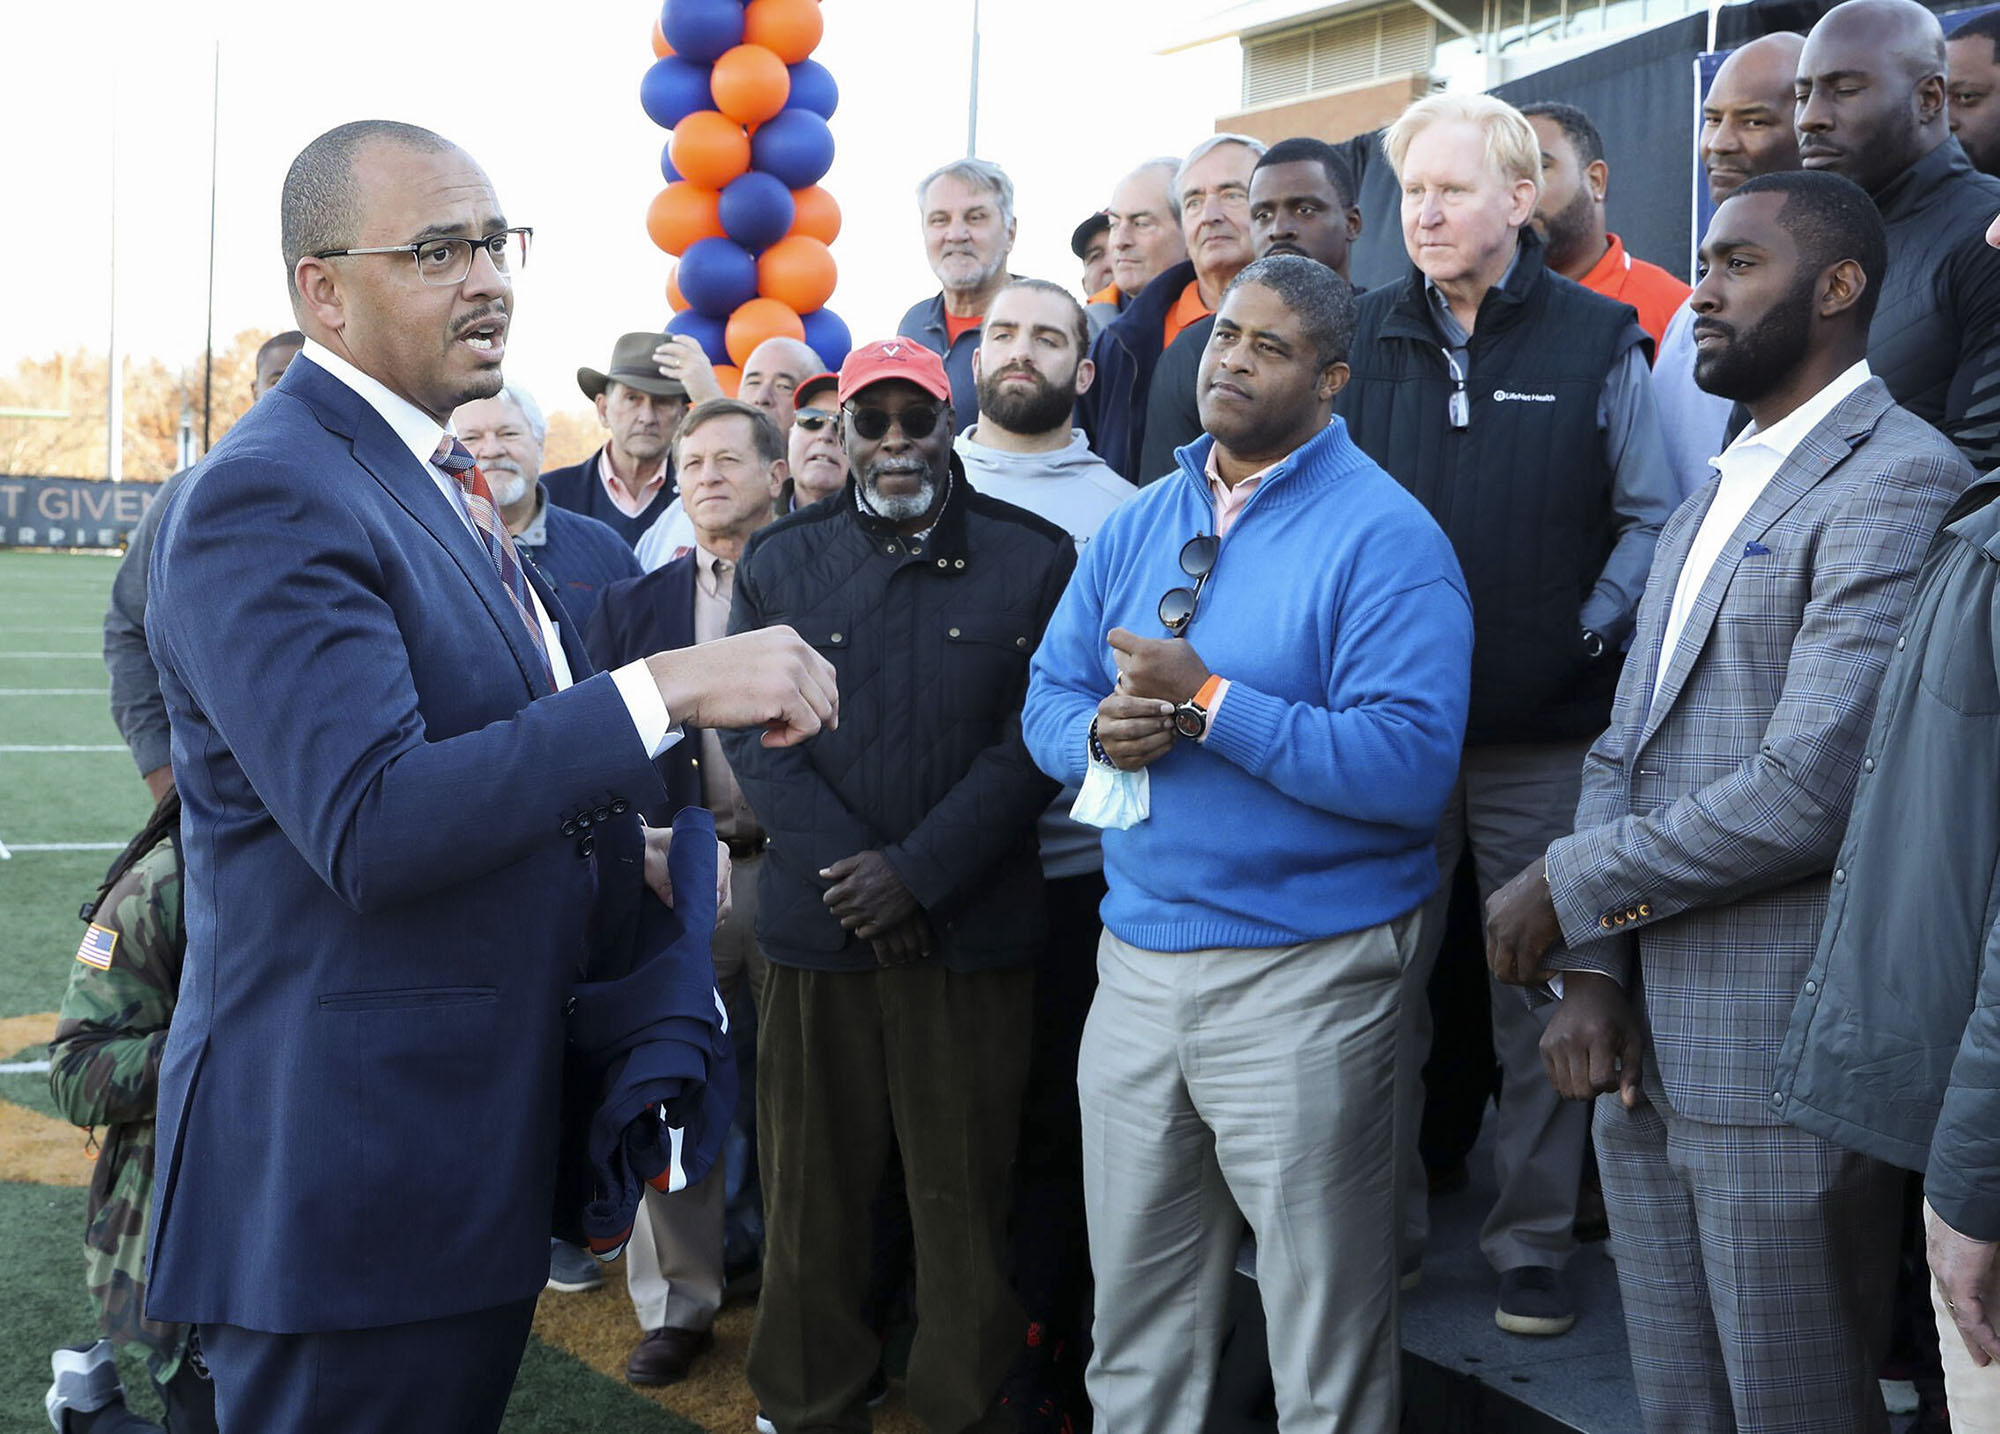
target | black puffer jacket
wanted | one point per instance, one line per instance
(931, 639)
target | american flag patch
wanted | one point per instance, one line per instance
(98, 944)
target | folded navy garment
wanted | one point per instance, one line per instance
(649, 1077)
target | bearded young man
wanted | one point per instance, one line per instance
(1755, 1260)
(1030, 367)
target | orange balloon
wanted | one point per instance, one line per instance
(661, 49)
(798, 272)
(682, 213)
(730, 377)
(750, 84)
(817, 216)
(757, 320)
(676, 300)
(789, 28)
(709, 149)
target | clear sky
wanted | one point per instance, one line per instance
(545, 96)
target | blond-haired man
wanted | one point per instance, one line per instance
(1518, 407)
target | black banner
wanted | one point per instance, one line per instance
(70, 512)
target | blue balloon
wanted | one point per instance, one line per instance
(667, 170)
(826, 335)
(673, 89)
(709, 333)
(700, 30)
(757, 210)
(796, 146)
(716, 276)
(813, 89)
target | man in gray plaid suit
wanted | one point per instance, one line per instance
(1755, 1260)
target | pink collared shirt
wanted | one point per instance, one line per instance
(621, 496)
(1229, 501)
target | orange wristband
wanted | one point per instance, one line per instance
(1205, 697)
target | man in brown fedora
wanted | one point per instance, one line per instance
(628, 482)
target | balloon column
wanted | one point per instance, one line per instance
(743, 210)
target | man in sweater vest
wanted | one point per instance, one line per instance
(1275, 641)
(1518, 407)
(578, 555)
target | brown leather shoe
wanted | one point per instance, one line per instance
(664, 1356)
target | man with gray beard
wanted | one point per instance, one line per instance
(900, 906)
(578, 555)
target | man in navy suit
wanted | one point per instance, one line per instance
(730, 457)
(393, 763)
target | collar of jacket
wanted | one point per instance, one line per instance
(1139, 327)
(1330, 452)
(1500, 309)
(1906, 193)
(946, 542)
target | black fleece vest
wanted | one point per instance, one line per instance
(1523, 491)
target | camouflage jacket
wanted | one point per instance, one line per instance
(104, 1068)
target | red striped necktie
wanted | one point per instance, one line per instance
(453, 458)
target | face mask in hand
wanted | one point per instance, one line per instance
(1113, 799)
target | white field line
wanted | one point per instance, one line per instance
(24, 1068)
(61, 656)
(7, 853)
(54, 692)
(29, 627)
(61, 747)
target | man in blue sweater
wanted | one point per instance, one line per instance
(1297, 726)
(579, 556)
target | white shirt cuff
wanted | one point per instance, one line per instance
(649, 710)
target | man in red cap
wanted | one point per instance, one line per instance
(900, 905)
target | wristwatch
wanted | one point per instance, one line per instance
(1191, 717)
(1593, 645)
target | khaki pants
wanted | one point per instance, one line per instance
(1510, 803)
(1259, 1081)
(673, 1265)
(1972, 1392)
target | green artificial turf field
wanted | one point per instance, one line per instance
(52, 695)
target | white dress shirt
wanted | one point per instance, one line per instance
(1747, 467)
(421, 434)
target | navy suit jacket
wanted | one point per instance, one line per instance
(387, 894)
(636, 617)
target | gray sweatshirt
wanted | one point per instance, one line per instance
(1076, 490)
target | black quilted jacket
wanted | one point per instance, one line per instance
(931, 638)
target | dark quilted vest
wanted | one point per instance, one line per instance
(1523, 492)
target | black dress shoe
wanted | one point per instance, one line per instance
(664, 1356)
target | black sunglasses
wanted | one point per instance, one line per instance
(812, 420)
(1197, 561)
(873, 423)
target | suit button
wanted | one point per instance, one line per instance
(958, 562)
(1778, 1098)
(834, 638)
(569, 828)
(1901, 643)
(1605, 922)
(1812, 988)
(583, 821)
(942, 563)
(1839, 877)
(1020, 642)
(952, 633)
(585, 845)
(1645, 909)
(602, 814)
(620, 807)
(1867, 764)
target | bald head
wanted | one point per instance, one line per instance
(320, 207)
(1870, 91)
(1746, 119)
(773, 374)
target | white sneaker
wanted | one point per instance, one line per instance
(86, 1380)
